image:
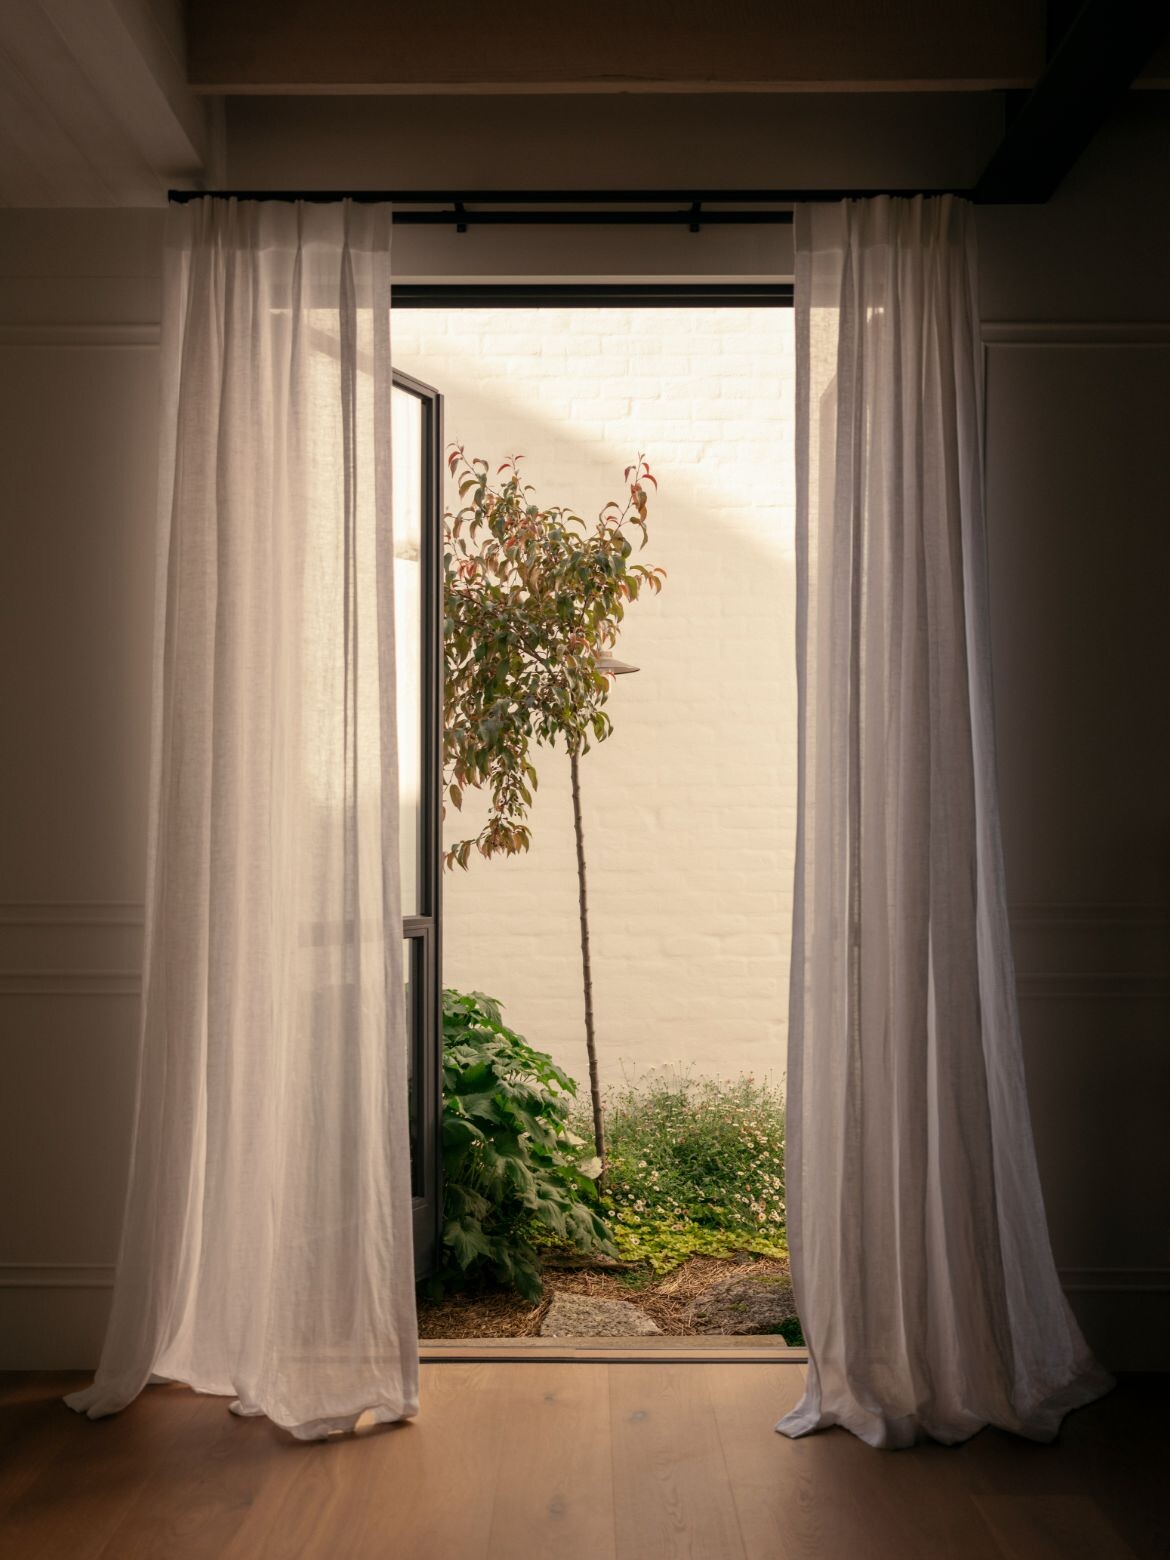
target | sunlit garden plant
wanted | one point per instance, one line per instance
(533, 598)
(532, 595)
(696, 1167)
(514, 1171)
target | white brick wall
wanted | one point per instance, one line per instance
(690, 805)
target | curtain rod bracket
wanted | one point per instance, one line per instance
(460, 213)
(696, 207)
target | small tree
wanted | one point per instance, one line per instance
(532, 598)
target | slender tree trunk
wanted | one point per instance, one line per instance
(586, 969)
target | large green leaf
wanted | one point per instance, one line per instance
(511, 1162)
(466, 1240)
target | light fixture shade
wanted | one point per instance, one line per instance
(609, 665)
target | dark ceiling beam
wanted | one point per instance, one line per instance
(610, 46)
(1102, 50)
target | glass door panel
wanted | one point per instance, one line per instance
(415, 455)
(409, 493)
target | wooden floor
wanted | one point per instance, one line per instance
(629, 1461)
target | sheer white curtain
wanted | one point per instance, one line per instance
(920, 1253)
(266, 1250)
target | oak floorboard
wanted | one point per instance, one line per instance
(671, 1486)
(554, 1488)
(550, 1461)
(924, 1493)
(427, 1489)
(297, 1494)
(100, 1468)
(826, 1496)
(34, 1426)
(776, 1507)
(791, 1503)
(1052, 1527)
(315, 1501)
(1116, 1450)
(201, 1486)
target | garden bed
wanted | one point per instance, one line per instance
(664, 1298)
(681, 1234)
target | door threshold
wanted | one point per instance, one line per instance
(656, 1349)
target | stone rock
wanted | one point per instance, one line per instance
(752, 1303)
(580, 1316)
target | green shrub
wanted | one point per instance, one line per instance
(512, 1165)
(695, 1167)
(792, 1333)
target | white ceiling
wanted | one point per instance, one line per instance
(94, 104)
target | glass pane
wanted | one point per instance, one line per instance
(407, 435)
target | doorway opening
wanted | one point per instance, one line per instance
(687, 808)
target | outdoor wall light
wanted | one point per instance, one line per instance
(610, 666)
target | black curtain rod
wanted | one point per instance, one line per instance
(689, 204)
(693, 216)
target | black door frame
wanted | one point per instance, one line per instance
(425, 931)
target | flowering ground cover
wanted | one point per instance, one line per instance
(695, 1167)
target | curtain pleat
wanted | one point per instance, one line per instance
(920, 1252)
(266, 1249)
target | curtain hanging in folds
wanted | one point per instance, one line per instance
(266, 1250)
(921, 1259)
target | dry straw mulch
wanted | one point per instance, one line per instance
(500, 1314)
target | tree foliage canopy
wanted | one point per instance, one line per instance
(532, 596)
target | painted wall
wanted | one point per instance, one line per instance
(690, 806)
(1078, 389)
(1079, 377)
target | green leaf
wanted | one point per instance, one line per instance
(535, 595)
(511, 1161)
(466, 1241)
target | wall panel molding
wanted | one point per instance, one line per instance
(1090, 950)
(1076, 333)
(1088, 913)
(72, 912)
(1063, 950)
(70, 983)
(87, 335)
(1082, 985)
(1102, 1280)
(56, 1275)
(70, 947)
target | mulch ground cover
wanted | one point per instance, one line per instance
(503, 1314)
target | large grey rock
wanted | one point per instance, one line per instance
(580, 1316)
(750, 1303)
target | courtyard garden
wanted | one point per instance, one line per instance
(653, 1205)
(683, 1233)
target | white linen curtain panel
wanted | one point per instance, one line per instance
(266, 1250)
(921, 1260)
